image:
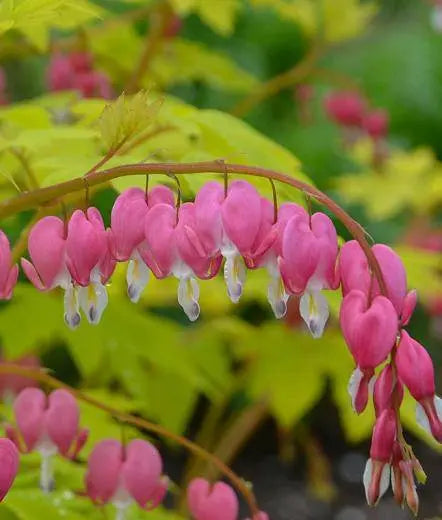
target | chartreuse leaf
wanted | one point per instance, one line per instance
(124, 118)
(35, 18)
(333, 20)
(289, 368)
(218, 15)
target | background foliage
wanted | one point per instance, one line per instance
(221, 87)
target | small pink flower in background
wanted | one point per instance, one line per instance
(370, 331)
(127, 233)
(13, 384)
(346, 108)
(307, 265)
(217, 502)
(123, 475)
(9, 461)
(375, 123)
(415, 370)
(49, 425)
(3, 85)
(377, 470)
(355, 273)
(75, 71)
(388, 391)
(8, 272)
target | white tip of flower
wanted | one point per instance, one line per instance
(277, 297)
(71, 307)
(234, 276)
(422, 419)
(188, 296)
(353, 385)
(366, 477)
(137, 276)
(314, 311)
(384, 481)
(93, 301)
(438, 406)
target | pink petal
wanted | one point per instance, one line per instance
(160, 251)
(325, 233)
(218, 503)
(61, 419)
(46, 246)
(6, 273)
(208, 216)
(369, 330)
(85, 244)
(141, 471)
(104, 467)
(241, 215)
(161, 195)
(9, 461)
(11, 281)
(32, 274)
(127, 223)
(29, 409)
(394, 274)
(408, 307)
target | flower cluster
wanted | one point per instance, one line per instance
(241, 229)
(76, 72)
(117, 473)
(350, 110)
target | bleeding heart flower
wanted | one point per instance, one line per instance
(370, 330)
(307, 265)
(416, 371)
(388, 391)
(123, 475)
(9, 462)
(217, 502)
(49, 426)
(8, 272)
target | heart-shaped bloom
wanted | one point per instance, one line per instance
(217, 502)
(354, 272)
(8, 272)
(90, 264)
(388, 391)
(345, 108)
(307, 265)
(377, 470)
(9, 462)
(167, 244)
(123, 475)
(49, 425)
(370, 330)
(416, 371)
(127, 233)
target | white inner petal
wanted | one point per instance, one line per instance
(353, 385)
(93, 301)
(314, 311)
(137, 276)
(71, 306)
(188, 296)
(422, 419)
(385, 480)
(234, 276)
(277, 296)
(47, 450)
(366, 478)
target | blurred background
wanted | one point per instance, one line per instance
(346, 94)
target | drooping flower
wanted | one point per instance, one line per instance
(173, 248)
(345, 108)
(48, 425)
(355, 273)
(415, 370)
(127, 232)
(402, 480)
(123, 475)
(90, 264)
(377, 470)
(375, 123)
(388, 391)
(8, 272)
(9, 461)
(307, 265)
(370, 331)
(217, 502)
